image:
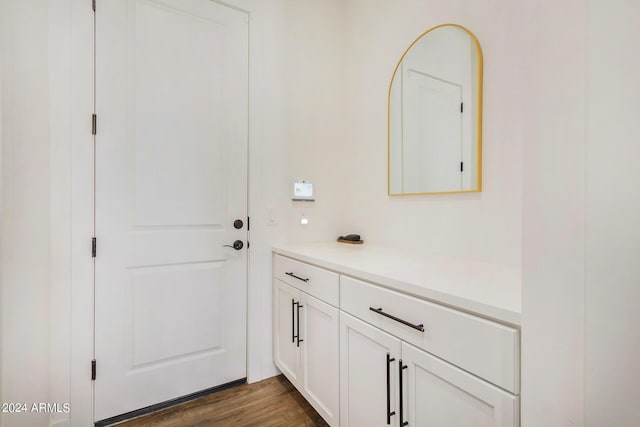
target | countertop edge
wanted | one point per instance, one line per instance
(488, 311)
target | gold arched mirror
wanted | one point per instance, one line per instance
(435, 115)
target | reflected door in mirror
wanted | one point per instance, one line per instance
(434, 115)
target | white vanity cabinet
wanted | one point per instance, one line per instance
(286, 351)
(368, 379)
(372, 355)
(306, 333)
(423, 390)
(386, 381)
(436, 393)
(485, 348)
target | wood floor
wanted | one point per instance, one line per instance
(272, 402)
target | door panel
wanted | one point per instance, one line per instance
(171, 177)
(320, 358)
(286, 353)
(172, 135)
(363, 380)
(441, 395)
(168, 301)
(432, 133)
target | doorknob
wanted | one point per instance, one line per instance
(237, 245)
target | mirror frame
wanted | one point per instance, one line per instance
(478, 189)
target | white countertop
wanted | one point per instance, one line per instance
(490, 290)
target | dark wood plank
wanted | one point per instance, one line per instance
(272, 402)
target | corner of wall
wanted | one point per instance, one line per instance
(25, 268)
(554, 194)
(612, 336)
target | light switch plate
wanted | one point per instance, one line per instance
(272, 216)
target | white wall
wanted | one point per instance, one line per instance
(553, 215)
(266, 165)
(581, 342)
(315, 116)
(612, 323)
(484, 226)
(24, 226)
(296, 129)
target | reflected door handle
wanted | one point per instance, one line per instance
(237, 245)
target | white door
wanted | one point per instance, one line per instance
(171, 178)
(368, 375)
(286, 354)
(438, 394)
(319, 330)
(431, 133)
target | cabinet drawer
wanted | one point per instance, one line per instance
(485, 348)
(315, 281)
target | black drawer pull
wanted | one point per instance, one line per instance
(419, 327)
(293, 319)
(389, 412)
(298, 336)
(297, 277)
(401, 368)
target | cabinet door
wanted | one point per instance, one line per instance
(286, 354)
(320, 335)
(368, 382)
(437, 394)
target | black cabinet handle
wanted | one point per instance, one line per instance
(401, 368)
(293, 319)
(297, 277)
(389, 413)
(419, 327)
(298, 336)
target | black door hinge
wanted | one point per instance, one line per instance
(461, 107)
(461, 166)
(94, 247)
(93, 5)
(93, 370)
(94, 124)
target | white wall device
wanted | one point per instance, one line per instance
(302, 191)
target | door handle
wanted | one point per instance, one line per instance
(237, 245)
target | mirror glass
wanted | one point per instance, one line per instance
(435, 115)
